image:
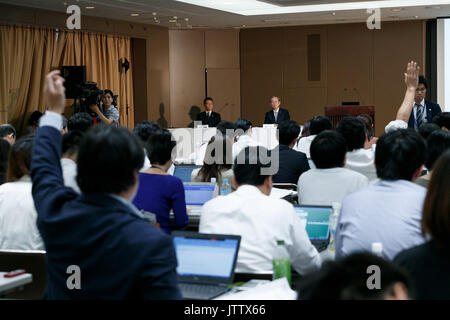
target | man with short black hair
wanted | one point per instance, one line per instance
(426, 129)
(81, 121)
(423, 110)
(260, 219)
(389, 211)
(292, 164)
(443, 120)
(330, 181)
(316, 126)
(116, 252)
(209, 117)
(8, 132)
(358, 158)
(347, 279)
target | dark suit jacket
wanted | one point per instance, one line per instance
(291, 165)
(120, 255)
(211, 121)
(432, 109)
(283, 115)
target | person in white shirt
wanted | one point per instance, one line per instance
(243, 136)
(329, 182)
(358, 159)
(259, 219)
(70, 145)
(18, 230)
(316, 126)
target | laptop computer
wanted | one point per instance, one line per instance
(317, 223)
(206, 263)
(197, 194)
(184, 171)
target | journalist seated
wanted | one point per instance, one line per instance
(99, 237)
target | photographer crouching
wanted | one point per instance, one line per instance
(110, 114)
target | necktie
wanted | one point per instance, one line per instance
(275, 115)
(419, 115)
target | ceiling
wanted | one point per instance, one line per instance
(176, 14)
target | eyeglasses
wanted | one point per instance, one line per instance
(420, 89)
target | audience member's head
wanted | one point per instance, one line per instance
(437, 143)
(8, 132)
(288, 132)
(33, 120)
(226, 128)
(71, 142)
(443, 120)
(368, 123)
(436, 209)
(305, 129)
(80, 121)
(243, 124)
(109, 160)
(319, 124)
(350, 279)
(427, 128)
(4, 153)
(160, 146)
(400, 155)
(218, 157)
(19, 160)
(145, 129)
(248, 168)
(354, 132)
(328, 150)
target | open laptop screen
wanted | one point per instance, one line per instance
(183, 172)
(317, 220)
(211, 258)
(197, 195)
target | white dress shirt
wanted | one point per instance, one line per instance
(304, 145)
(395, 125)
(260, 220)
(69, 171)
(18, 230)
(389, 212)
(325, 186)
(362, 161)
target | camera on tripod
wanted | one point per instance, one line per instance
(86, 92)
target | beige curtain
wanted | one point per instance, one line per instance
(26, 57)
(28, 54)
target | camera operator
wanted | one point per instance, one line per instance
(110, 113)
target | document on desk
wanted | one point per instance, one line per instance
(275, 290)
(281, 193)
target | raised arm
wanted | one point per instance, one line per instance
(49, 192)
(411, 81)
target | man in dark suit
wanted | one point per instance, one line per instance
(277, 115)
(99, 246)
(423, 110)
(291, 163)
(208, 116)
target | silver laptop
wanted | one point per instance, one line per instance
(206, 263)
(197, 194)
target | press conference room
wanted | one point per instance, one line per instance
(228, 150)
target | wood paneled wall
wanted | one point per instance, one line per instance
(355, 64)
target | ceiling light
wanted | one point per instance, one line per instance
(135, 14)
(89, 8)
(255, 7)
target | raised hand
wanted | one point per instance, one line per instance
(412, 75)
(54, 92)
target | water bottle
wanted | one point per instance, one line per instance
(225, 188)
(377, 249)
(281, 262)
(333, 224)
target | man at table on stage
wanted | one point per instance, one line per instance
(208, 116)
(423, 110)
(277, 115)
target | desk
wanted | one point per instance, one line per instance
(8, 285)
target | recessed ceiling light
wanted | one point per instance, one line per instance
(172, 21)
(255, 7)
(135, 14)
(333, 13)
(90, 8)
